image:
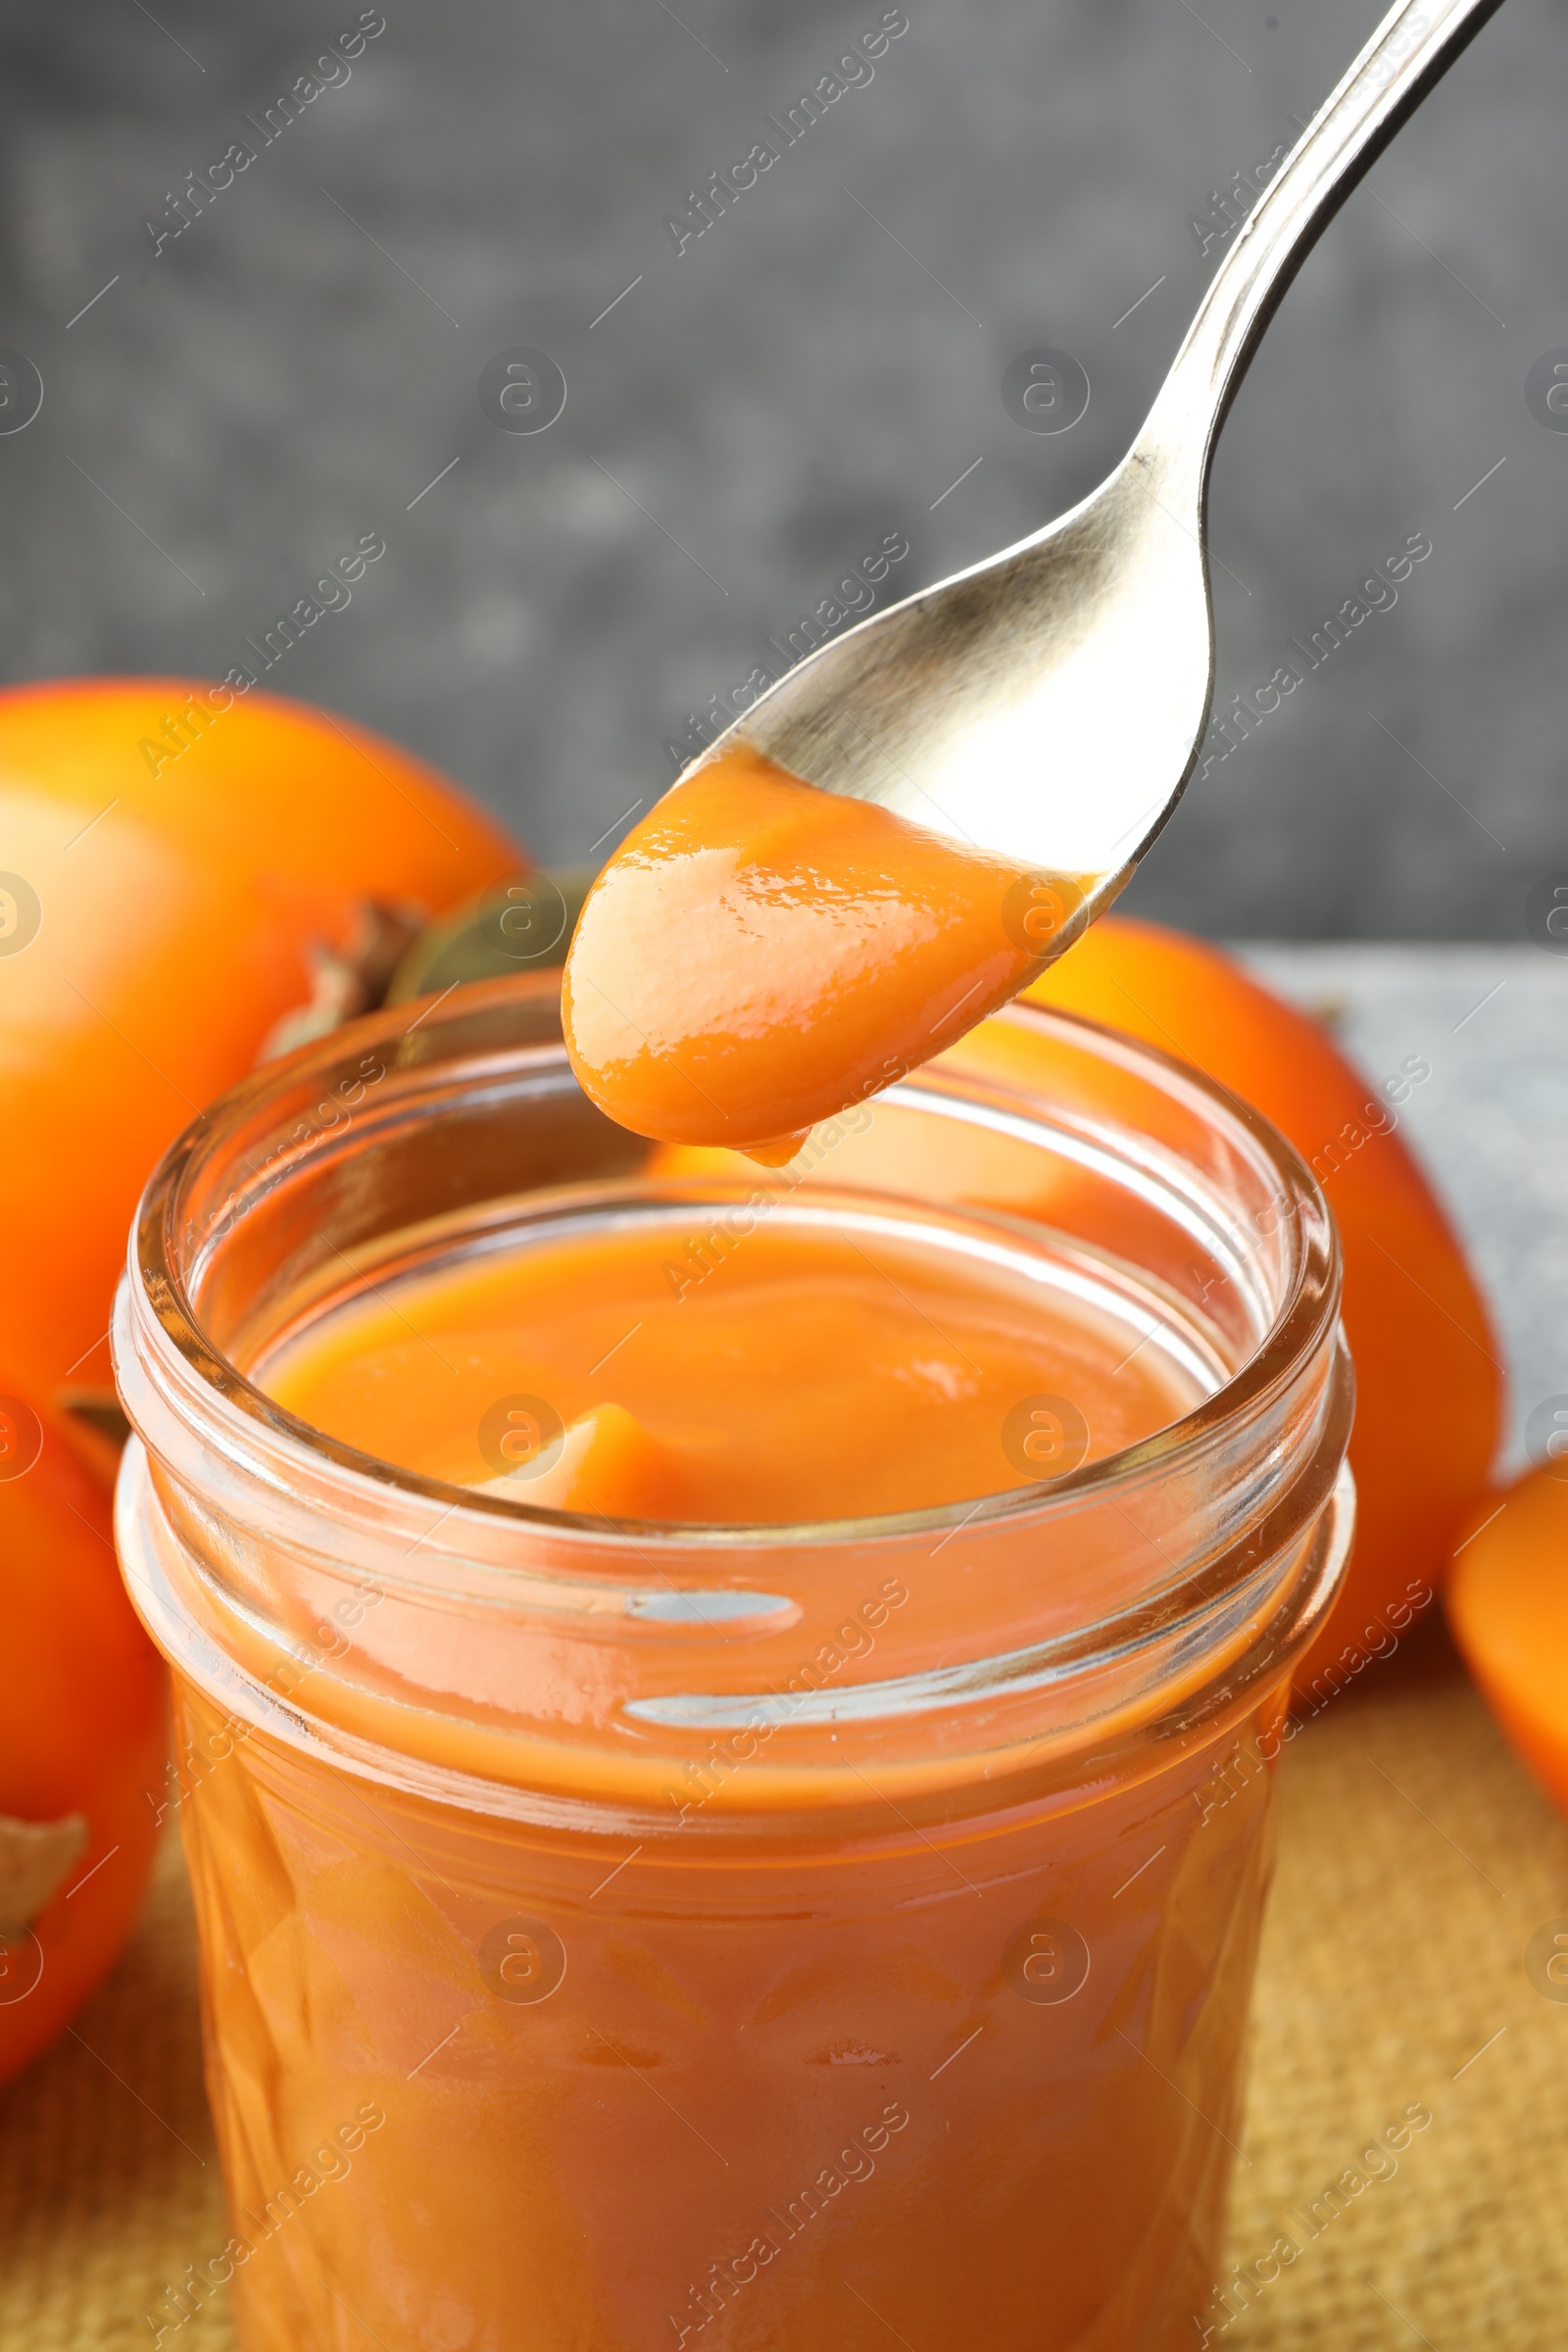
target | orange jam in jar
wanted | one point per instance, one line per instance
(705, 1692)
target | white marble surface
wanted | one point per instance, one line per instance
(1491, 1125)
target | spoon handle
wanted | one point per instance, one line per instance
(1411, 50)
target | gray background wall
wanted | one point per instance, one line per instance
(761, 408)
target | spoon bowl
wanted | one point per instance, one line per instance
(1044, 706)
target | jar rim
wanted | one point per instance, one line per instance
(161, 1305)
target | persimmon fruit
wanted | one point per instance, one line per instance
(182, 877)
(1429, 1377)
(1507, 1605)
(83, 1736)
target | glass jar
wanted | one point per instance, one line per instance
(623, 1934)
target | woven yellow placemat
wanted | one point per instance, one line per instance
(1415, 1861)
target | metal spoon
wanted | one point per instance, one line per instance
(1048, 705)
